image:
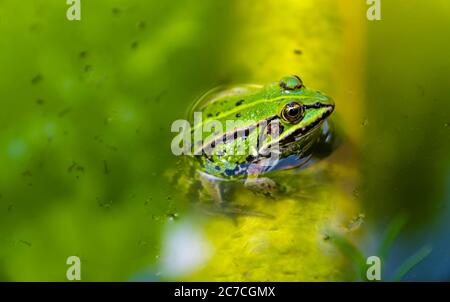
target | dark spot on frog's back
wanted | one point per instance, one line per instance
(233, 172)
(209, 115)
(238, 103)
(238, 115)
(229, 172)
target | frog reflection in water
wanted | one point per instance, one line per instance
(278, 126)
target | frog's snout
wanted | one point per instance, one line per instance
(328, 103)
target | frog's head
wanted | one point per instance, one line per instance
(300, 113)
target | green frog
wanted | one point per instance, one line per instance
(246, 134)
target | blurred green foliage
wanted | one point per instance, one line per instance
(85, 128)
(407, 142)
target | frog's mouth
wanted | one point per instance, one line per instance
(296, 136)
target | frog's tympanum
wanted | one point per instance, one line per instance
(250, 132)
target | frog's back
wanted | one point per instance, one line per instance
(222, 101)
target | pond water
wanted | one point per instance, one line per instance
(85, 140)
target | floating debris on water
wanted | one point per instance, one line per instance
(116, 11)
(141, 24)
(106, 204)
(83, 54)
(365, 123)
(27, 173)
(64, 111)
(113, 148)
(105, 167)
(74, 167)
(356, 222)
(37, 79)
(27, 243)
(172, 216)
(142, 243)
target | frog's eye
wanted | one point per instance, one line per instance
(293, 112)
